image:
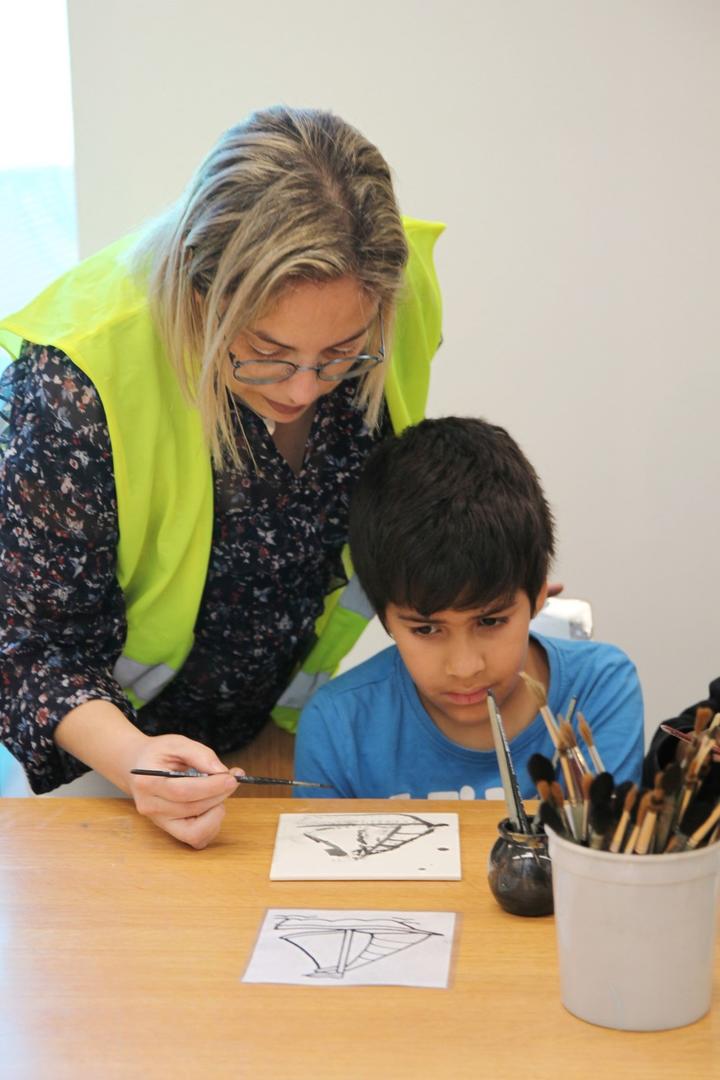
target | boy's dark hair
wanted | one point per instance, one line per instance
(449, 514)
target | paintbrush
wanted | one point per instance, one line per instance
(702, 719)
(619, 834)
(671, 782)
(709, 789)
(172, 775)
(550, 817)
(600, 793)
(687, 738)
(644, 841)
(576, 753)
(694, 820)
(585, 783)
(571, 775)
(701, 832)
(540, 768)
(542, 773)
(516, 811)
(561, 803)
(586, 732)
(601, 825)
(572, 813)
(538, 692)
(642, 805)
(696, 765)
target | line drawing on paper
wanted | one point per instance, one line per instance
(357, 836)
(337, 946)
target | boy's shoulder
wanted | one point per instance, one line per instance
(581, 653)
(585, 664)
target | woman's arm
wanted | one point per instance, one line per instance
(64, 613)
(64, 624)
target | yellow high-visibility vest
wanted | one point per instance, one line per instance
(98, 314)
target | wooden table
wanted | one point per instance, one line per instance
(121, 953)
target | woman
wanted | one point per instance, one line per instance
(186, 415)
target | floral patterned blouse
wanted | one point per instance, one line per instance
(275, 554)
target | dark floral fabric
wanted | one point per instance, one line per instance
(275, 554)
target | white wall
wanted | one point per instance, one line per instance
(572, 148)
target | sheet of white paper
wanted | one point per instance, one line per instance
(353, 948)
(382, 846)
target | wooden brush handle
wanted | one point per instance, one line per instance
(616, 842)
(701, 832)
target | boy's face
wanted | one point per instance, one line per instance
(454, 657)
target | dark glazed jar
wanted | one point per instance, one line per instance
(519, 872)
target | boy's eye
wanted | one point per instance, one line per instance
(426, 630)
(488, 622)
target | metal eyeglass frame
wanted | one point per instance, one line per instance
(320, 369)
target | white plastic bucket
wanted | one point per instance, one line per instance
(635, 934)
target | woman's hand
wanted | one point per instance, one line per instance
(189, 809)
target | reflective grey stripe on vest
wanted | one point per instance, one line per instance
(303, 685)
(353, 598)
(145, 680)
(302, 688)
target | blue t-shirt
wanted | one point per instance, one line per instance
(367, 734)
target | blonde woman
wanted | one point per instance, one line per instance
(186, 417)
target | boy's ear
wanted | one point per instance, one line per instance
(541, 598)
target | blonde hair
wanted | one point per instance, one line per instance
(287, 193)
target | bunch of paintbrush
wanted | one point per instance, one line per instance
(681, 811)
(517, 816)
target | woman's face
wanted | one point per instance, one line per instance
(311, 323)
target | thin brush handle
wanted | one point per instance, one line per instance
(664, 823)
(616, 842)
(596, 759)
(572, 793)
(573, 828)
(586, 732)
(580, 759)
(644, 840)
(172, 774)
(705, 828)
(585, 820)
(687, 792)
(630, 845)
(516, 810)
(552, 728)
(280, 780)
(537, 692)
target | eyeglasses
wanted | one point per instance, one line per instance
(262, 372)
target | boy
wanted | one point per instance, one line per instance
(451, 538)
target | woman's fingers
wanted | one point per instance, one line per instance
(189, 808)
(198, 831)
(178, 753)
(174, 791)
(156, 806)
